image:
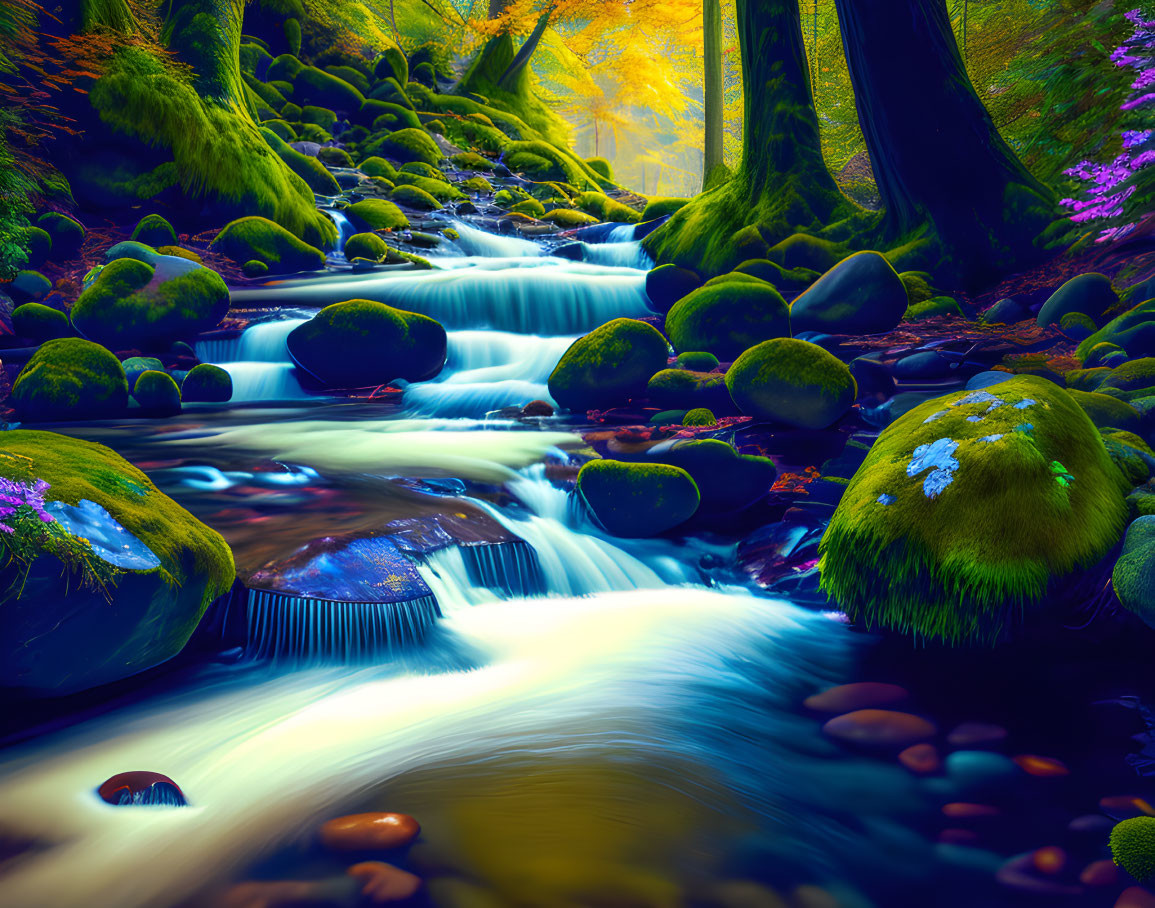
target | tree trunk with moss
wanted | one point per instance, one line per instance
(712, 89)
(783, 186)
(949, 183)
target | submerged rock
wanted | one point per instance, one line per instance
(882, 728)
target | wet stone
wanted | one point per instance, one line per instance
(860, 695)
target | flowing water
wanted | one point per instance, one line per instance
(575, 719)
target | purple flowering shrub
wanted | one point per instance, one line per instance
(15, 495)
(1116, 193)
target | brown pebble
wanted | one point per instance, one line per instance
(383, 883)
(860, 695)
(1126, 806)
(537, 408)
(1043, 767)
(369, 832)
(961, 809)
(920, 758)
(1049, 860)
(1135, 897)
(958, 837)
(1100, 873)
(975, 734)
(879, 728)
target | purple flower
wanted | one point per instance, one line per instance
(15, 495)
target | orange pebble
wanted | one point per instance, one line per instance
(920, 758)
(1100, 873)
(369, 832)
(880, 728)
(1044, 767)
(1126, 804)
(1050, 860)
(969, 811)
(1135, 897)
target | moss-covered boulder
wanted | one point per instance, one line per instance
(153, 230)
(1078, 326)
(801, 250)
(414, 197)
(377, 214)
(1107, 412)
(1133, 332)
(635, 499)
(727, 481)
(157, 393)
(788, 281)
(392, 64)
(361, 343)
(37, 246)
(207, 384)
(135, 305)
(1133, 578)
(259, 239)
(604, 208)
(608, 366)
(471, 160)
(39, 323)
(1133, 848)
(409, 144)
(862, 294)
(70, 378)
(727, 318)
(308, 168)
(683, 389)
(114, 585)
(661, 206)
(378, 167)
(696, 361)
(699, 417)
(529, 207)
(135, 366)
(29, 285)
(436, 187)
(366, 246)
(793, 382)
(67, 234)
(1091, 294)
(968, 507)
(1132, 380)
(315, 87)
(569, 218)
(667, 284)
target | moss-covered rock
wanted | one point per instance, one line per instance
(309, 169)
(153, 230)
(529, 207)
(793, 382)
(568, 218)
(67, 234)
(789, 282)
(135, 366)
(157, 393)
(1091, 294)
(938, 305)
(637, 500)
(1107, 412)
(414, 197)
(378, 167)
(70, 378)
(30, 285)
(388, 117)
(604, 208)
(471, 160)
(409, 144)
(727, 481)
(608, 366)
(918, 286)
(361, 343)
(206, 383)
(1077, 325)
(335, 157)
(968, 507)
(282, 129)
(366, 246)
(253, 238)
(727, 318)
(135, 305)
(312, 86)
(601, 166)
(660, 207)
(682, 389)
(1133, 332)
(73, 625)
(1132, 380)
(1133, 847)
(438, 189)
(699, 416)
(804, 251)
(37, 245)
(377, 214)
(1085, 379)
(696, 361)
(667, 284)
(392, 64)
(862, 294)
(39, 323)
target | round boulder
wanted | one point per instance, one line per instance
(70, 378)
(635, 499)
(1134, 573)
(862, 294)
(667, 284)
(793, 382)
(1090, 293)
(369, 832)
(728, 317)
(608, 366)
(206, 383)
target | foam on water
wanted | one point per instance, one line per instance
(258, 361)
(473, 241)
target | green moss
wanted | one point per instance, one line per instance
(1133, 847)
(1088, 293)
(1077, 325)
(608, 366)
(1106, 411)
(682, 389)
(157, 393)
(1127, 456)
(335, 157)
(667, 284)
(37, 245)
(918, 286)
(414, 197)
(30, 284)
(696, 361)
(366, 246)
(1085, 379)
(353, 76)
(601, 167)
(606, 209)
(660, 207)
(726, 480)
(135, 366)
(70, 378)
(318, 116)
(793, 382)
(256, 238)
(1132, 380)
(67, 234)
(530, 208)
(281, 128)
(438, 189)
(206, 383)
(964, 561)
(317, 87)
(153, 230)
(408, 145)
(385, 115)
(392, 64)
(469, 160)
(378, 167)
(39, 323)
(939, 305)
(254, 268)
(377, 214)
(132, 304)
(361, 343)
(699, 416)
(1133, 331)
(727, 318)
(476, 185)
(312, 171)
(636, 500)
(789, 282)
(542, 161)
(568, 219)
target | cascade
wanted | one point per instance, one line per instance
(258, 361)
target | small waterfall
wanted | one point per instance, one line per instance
(529, 295)
(617, 254)
(258, 361)
(511, 568)
(345, 230)
(473, 241)
(281, 627)
(486, 371)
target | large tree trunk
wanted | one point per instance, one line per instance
(509, 78)
(713, 103)
(937, 157)
(783, 186)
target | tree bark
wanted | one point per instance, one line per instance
(713, 103)
(937, 156)
(521, 59)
